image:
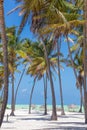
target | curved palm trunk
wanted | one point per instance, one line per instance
(12, 102)
(18, 86)
(72, 61)
(75, 74)
(54, 114)
(45, 95)
(85, 60)
(31, 95)
(5, 61)
(60, 83)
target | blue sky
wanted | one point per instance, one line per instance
(70, 93)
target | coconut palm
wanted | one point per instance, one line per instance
(79, 55)
(34, 10)
(52, 24)
(13, 47)
(5, 61)
(12, 62)
(38, 65)
(54, 114)
(78, 65)
(42, 19)
(64, 28)
(77, 49)
(56, 27)
(59, 17)
(10, 32)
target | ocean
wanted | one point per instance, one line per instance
(71, 107)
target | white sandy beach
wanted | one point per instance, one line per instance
(37, 121)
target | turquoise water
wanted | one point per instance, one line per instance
(40, 107)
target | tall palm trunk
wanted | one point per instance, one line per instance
(54, 114)
(12, 102)
(5, 61)
(60, 83)
(85, 60)
(18, 86)
(31, 95)
(68, 44)
(45, 95)
(75, 72)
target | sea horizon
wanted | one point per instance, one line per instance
(74, 107)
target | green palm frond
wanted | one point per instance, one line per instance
(74, 47)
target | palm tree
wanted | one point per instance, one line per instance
(60, 82)
(80, 48)
(5, 61)
(78, 65)
(54, 26)
(77, 61)
(39, 66)
(43, 14)
(13, 61)
(79, 78)
(57, 17)
(42, 19)
(54, 114)
(85, 59)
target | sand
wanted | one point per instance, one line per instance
(37, 121)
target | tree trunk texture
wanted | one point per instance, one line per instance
(74, 70)
(75, 75)
(18, 86)
(12, 99)
(60, 82)
(31, 94)
(45, 95)
(85, 59)
(5, 61)
(54, 114)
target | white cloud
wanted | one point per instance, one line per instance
(24, 90)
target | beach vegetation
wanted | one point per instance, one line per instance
(51, 22)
